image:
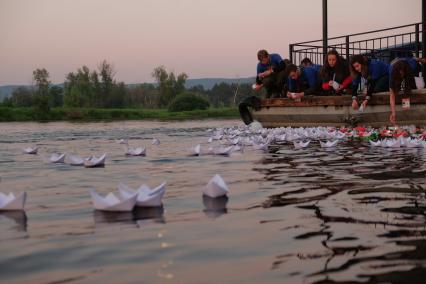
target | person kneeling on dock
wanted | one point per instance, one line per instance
(302, 81)
(335, 74)
(369, 76)
(270, 73)
(401, 80)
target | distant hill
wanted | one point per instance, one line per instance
(207, 83)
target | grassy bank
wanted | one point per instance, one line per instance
(94, 114)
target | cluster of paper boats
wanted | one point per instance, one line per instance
(236, 138)
(126, 198)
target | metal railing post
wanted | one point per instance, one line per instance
(290, 48)
(417, 39)
(347, 48)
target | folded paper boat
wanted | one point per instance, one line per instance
(328, 144)
(75, 160)
(30, 150)
(195, 151)
(216, 187)
(139, 151)
(111, 202)
(146, 197)
(94, 162)
(57, 158)
(301, 144)
(12, 202)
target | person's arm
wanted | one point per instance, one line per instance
(346, 82)
(421, 60)
(392, 117)
(326, 86)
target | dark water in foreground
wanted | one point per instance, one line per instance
(353, 214)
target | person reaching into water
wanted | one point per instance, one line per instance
(368, 75)
(303, 81)
(401, 81)
(270, 73)
(335, 75)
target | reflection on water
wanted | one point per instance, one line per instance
(353, 214)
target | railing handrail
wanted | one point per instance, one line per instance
(364, 33)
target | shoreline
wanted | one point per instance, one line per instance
(13, 114)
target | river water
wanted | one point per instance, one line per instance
(353, 214)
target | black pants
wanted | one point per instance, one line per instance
(274, 84)
(253, 102)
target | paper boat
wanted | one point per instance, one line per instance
(377, 143)
(393, 143)
(140, 151)
(223, 151)
(262, 147)
(12, 202)
(94, 162)
(301, 144)
(146, 197)
(210, 140)
(156, 141)
(328, 144)
(75, 160)
(195, 151)
(111, 202)
(30, 150)
(122, 141)
(57, 158)
(216, 187)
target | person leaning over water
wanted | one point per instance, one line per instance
(370, 74)
(335, 75)
(401, 79)
(303, 81)
(270, 73)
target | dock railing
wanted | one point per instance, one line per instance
(384, 44)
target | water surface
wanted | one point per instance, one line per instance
(354, 214)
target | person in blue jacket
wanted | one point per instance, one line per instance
(303, 81)
(368, 75)
(270, 73)
(402, 80)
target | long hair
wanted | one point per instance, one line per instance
(340, 68)
(363, 61)
(401, 71)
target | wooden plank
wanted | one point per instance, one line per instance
(417, 97)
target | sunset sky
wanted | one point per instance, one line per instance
(203, 38)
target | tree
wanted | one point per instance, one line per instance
(22, 97)
(56, 98)
(41, 79)
(169, 86)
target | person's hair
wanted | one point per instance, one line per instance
(306, 61)
(341, 66)
(396, 78)
(361, 59)
(290, 68)
(262, 54)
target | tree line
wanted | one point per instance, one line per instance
(98, 88)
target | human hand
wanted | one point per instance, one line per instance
(257, 87)
(355, 104)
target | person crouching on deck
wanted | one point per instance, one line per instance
(370, 76)
(401, 80)
(335, 75)
(302, 81)
(270, 73)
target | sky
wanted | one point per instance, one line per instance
(203, 38)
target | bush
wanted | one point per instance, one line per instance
(188, 101)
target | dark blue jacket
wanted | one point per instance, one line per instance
(275, 61)
(308, 82)
(376, 70)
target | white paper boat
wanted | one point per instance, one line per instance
(393, 143)
(210, 140)
(12, 202)
(122, 141)
(328, 144)
(139, 151)
(263, 147)
(156, 141)
(195, 151)
(216, 187)
(377, 143)
(57, 158)
(301, 144)
(111, 202)
(223, 151)
(75, 160)
(146, 197)
(94, 162)
(30, 150)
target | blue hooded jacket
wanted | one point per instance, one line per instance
(376, 70)
(309, 81)
(275, 61)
